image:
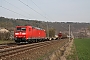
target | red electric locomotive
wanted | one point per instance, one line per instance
(29, 34)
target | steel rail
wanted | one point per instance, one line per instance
(18, 49)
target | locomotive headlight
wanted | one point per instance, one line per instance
(16, 33)
(23, 33)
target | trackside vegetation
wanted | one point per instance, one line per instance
(83, 48)
(6, 41)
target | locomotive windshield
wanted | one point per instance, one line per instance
(21, 29)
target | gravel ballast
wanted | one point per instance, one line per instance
(43, 53)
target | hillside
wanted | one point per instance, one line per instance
(10, 24)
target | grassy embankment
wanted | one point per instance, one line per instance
(82, 48)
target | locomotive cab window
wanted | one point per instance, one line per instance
(21, 29)
(18, 29)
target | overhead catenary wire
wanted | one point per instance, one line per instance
(13, 11)
(65, 27)
(37, 6)
(23, 10)
(17, 8)
(40, 9)
(33, 9)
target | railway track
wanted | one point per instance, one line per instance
(9, 45)
(21, 49)
(15, 50)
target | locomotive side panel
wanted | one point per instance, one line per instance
(28, 32)
(43, 33)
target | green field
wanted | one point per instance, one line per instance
(83, 48)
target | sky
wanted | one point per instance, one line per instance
(47, 10)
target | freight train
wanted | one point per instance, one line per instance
(29, 34)
(33, 34)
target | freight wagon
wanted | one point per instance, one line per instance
(62, 35)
